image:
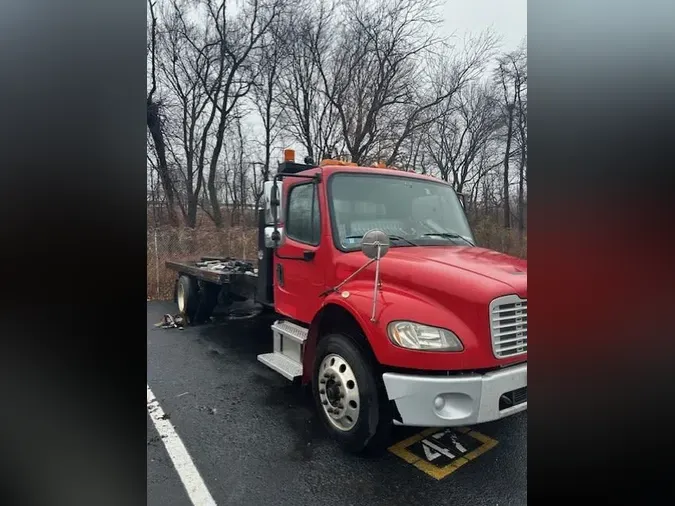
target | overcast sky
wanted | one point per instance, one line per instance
(508, 18)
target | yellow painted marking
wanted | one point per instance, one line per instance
(400, 449)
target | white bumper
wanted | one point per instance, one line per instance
(441, 401)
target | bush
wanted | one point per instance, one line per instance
(489, 234)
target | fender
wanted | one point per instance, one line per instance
(333, 299)
(396, 304)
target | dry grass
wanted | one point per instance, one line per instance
(491, 235)
(167, 243)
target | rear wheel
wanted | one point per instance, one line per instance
(208, 298)
(195, 304)
(350, 401)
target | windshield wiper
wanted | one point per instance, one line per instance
(450, 235)
(393, 237)
(399, 238)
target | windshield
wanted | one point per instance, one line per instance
(413, 212)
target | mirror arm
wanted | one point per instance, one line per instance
(337, 288)
(377, 282)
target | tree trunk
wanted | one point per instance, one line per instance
(521, 168)
(192, 211)
(155, 128)
(213, 200)
(521, 199)
(507, 156)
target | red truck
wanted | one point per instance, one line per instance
(427, 329)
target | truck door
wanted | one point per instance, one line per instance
(300, 258)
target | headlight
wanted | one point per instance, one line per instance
(422, 337)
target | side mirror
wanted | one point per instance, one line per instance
(272, 195)
(273, 239)
(375, 244)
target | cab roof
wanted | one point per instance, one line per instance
(328, 170)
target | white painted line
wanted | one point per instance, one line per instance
(457, 444)
(442, 451)
(429, 453)
(192, 480)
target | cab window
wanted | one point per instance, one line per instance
(303, 222)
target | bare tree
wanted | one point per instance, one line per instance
(452, 74)
(374, 74)
(186, 66)
(266, 92)
(511, 77)
(154, 120)
(308, 115)
(464, 126)
(373, 58)
(236, 172)
(207, 69)
(521, 111)
(236, 39)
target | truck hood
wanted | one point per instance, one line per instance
(472, 273)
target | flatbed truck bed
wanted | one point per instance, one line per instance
(217, 270)
(215, 281)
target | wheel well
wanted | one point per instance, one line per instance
(333, 319)
(336, 319)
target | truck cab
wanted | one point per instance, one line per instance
(387, 307)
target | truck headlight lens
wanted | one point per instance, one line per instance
(422, 337)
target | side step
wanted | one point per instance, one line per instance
(288, 368)
(289, 346)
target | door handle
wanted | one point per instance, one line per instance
(308, 255)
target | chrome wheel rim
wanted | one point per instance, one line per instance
(339, 392)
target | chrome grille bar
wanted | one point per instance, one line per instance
(508, 326)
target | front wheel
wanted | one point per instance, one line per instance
(350, 400)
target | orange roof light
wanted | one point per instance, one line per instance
(382, 165)
(342, 163)
(289, 155)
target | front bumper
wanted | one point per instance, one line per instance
(442, 401)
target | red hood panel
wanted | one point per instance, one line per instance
(476, 274)
(504, 269)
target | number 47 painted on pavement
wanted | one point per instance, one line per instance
(432, 451)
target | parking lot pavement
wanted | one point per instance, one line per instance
(255, 438)
(164, 486)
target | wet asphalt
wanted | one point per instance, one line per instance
(256, 440)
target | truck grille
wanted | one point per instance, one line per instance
(508, 326)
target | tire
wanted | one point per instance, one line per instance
(195, 305)
(187, 298)
(362, 421)
(208, 298)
